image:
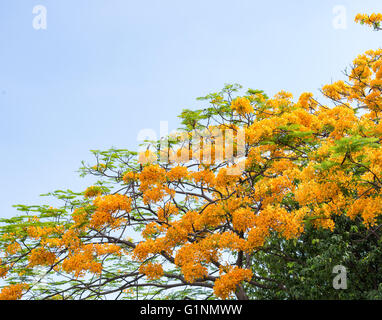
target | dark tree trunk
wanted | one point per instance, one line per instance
(240, 293)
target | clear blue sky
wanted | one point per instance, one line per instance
(105, 69)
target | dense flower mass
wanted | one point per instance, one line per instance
(373, 20)
(152, 270)
(13, 292)
(227, 283)
(267, 168)
(242, 106)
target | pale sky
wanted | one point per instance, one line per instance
(105, 69)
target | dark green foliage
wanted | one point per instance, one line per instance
(304, 267)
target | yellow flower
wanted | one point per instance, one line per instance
(242, 106)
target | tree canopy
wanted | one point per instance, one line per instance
(254, 197)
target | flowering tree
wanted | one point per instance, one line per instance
(190, 216)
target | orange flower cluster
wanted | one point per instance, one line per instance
(43, 232)
(152, 175)
(228, 282)
(13, 292)
(80, 216)
(41, 257)
(129, 177)
(145, 248)
(152, 184)
(242, 219)
(82, 260)
(306, 101)
(150, 230)
(112, 203)
(92, 192)
(190, 259)
(167, 211)
(153, 271)
(106, 208)
(371, 20)
(3, 270)
(177, 173)
(242, 106)
(13, 248)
